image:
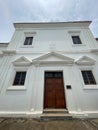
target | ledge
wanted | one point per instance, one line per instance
(16, 88)
(9, 51)
(78, 45)
(27, 46)
(94, 50)
(90, 87)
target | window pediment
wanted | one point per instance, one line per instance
(22, 61)
(85, 60)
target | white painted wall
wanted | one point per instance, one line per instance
(81, 100)
(59, 39)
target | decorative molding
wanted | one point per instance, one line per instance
(74, 31)
(94, 51)
(90, 87)
(20, 113)
(27, 46)
(22, 61)
(85, 60)
(29, 33)
(53, 58)
(76, 114)
(52, 24)
(14, 88)
(57, 51)
(9, 51)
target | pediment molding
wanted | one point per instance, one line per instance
(22, 61)
(85, 60)
(53, 57)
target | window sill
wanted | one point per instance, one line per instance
(92, 87)
(27, 46)
(16, 88)
(77, 45)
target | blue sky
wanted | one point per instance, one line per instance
(46, 11)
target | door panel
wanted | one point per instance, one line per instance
(54, 96)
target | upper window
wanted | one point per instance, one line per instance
(88, 77)
(28, 41)
(76, 40)
(19, 78)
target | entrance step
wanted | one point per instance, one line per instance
(56, 116)
(53, 111)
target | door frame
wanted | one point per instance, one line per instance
(63, 85)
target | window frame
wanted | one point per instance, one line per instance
(28, 39)
(90, 86)
(28, 34)
(12, 77)
(74, 37)
(76, 33)
(15, 83)
(88, 80)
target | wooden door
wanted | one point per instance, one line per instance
(54, 96)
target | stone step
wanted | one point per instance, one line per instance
(51, 111)
(56, 116)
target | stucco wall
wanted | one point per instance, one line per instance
(81, 99)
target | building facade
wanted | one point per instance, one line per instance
(49, 65)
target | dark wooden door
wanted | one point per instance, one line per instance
(54, 96)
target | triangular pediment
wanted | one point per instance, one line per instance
(53, 57)
(22, 61)
(85, 60)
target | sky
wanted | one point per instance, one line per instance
(12, 11)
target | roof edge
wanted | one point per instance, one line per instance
(51, 24)
(4, 42)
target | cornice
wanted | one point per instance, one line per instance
(53, 24)
(94, 51)
(58, 51)
(9, 51)
(52, 63)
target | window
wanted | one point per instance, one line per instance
(53, 75)
(76, 40)
(19, 78)
(88, 77)
(28, 41)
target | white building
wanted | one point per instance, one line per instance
(49, 65)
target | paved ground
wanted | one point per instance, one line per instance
(36, 124)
